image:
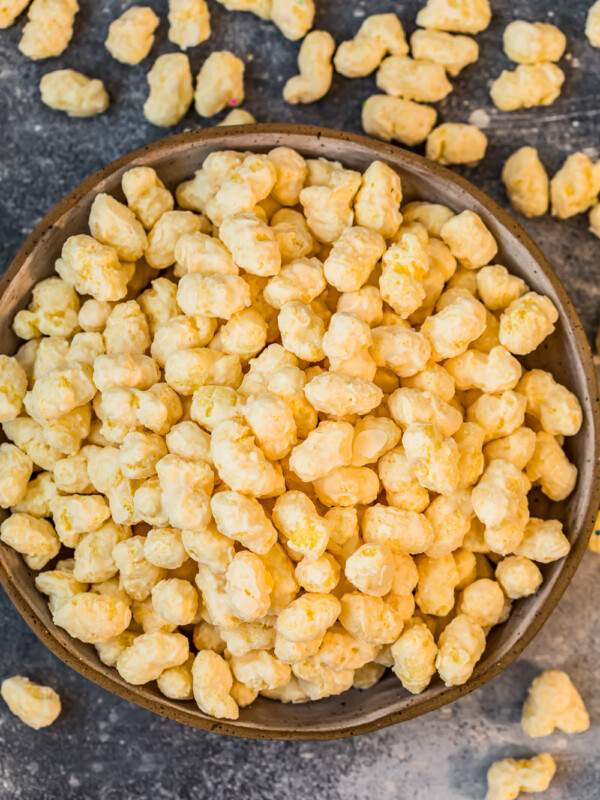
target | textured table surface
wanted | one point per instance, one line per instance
(102, 747)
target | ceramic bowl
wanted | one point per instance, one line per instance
(566, 353)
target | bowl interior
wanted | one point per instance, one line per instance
(566, 354)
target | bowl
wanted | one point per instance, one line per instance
(566, 353)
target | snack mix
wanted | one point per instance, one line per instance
(270, 434)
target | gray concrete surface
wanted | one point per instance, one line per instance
(101, 747)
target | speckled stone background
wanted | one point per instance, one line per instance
(102, 747)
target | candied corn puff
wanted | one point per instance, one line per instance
(300, 280)
(293, 19)
(373, 437)
(550, 468)
(131, 36)
(238, 116)
(150, 654)
(302, 331)
(242, 188)
(408, 406)
(328, 446)
(10, 10)
(308, 616)
(371, 569)
(35, 705)
(456, 143)
(495, 371)
(454, 328)
(328, 204)
(518, 576)
(592, 25)
(146, 195)
(434, 457)
(496, 497)
(511, 776)
(316, 71)
(271, 420)
(404, 265)
(394, 118)
(413, 79)
(249, 586)
(53, 311)
(352, 258)
(401, 531)
(553, 702)
(30, 536)
(527, 322)
(241, 464)
(532, 42)
(220, 83)
(49, 28)
(251, 243)
(438, 578)
(465, 16)
(339, 394)
(262, 8)
(454, 53)
(469, 240)
(114, 224)
(378, 35)
(399, 349)
(212, 685)
(92, 617)
(527, 86)
(13, 385)
(61, 391)
(15, 470)
(346, 345)
(414, 656)
(171, 91)
(461, 645)
(377, 203)
(557, 409)
(297, 518)
(526, 182)
(93, 268)
(370, 619)
(189, 22)
(348, 486)
(74, 93)
(575, 186)
(497, 288)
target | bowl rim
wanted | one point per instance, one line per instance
(381, 149)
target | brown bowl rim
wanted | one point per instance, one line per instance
(170, 709)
